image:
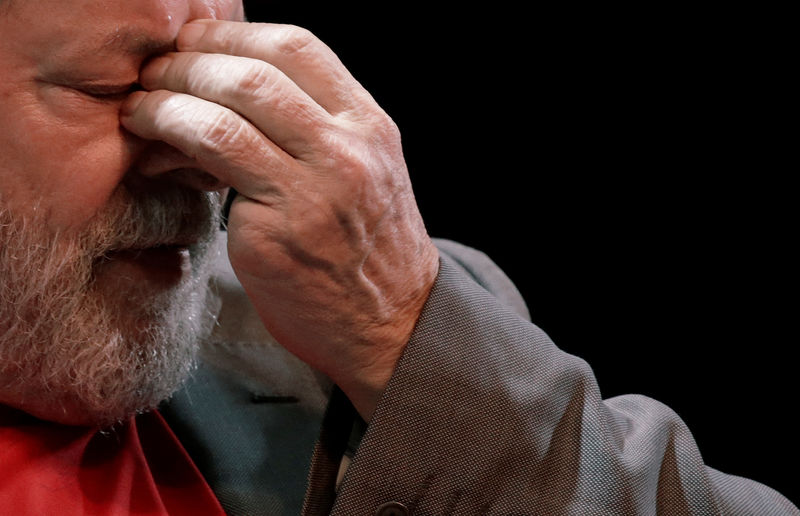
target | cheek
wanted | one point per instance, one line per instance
(64, 158)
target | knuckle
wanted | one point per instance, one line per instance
(387, 129)
(221, 133)
(359, 174)
(380, 132)
(254, 78)
(375, 125)
(348, 156)
(223, 36)
(293, 40)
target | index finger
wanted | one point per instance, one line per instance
(302, 57)
(224, 144)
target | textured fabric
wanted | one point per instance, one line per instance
(484, 415)
(328, 454)
(485, 273)
(138, 468)
(253, 446)
(251, 414)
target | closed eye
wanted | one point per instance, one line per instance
(109, 92)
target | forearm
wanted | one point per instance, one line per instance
(484, 415)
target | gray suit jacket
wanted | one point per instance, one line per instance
(483, 415)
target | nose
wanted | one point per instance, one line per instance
(161, 162)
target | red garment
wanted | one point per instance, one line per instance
(138, 468)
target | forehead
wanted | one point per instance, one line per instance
(71, 29)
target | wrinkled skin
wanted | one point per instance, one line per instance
(325, 235)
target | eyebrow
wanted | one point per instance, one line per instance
(136, 42)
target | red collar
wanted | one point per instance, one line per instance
(137, 468)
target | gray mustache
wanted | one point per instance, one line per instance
(174, 217)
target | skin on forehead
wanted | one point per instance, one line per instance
(75, 30)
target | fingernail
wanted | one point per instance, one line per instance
(191, 34)
(131, 103)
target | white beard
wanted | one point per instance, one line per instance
(73, 342)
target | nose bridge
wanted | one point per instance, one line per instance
(171, 15)
(174, 13)
(157, 161)
(166, 16)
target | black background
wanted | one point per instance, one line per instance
(612, 163)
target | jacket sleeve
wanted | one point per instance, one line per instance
(485, 415)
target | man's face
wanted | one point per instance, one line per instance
(101, 233)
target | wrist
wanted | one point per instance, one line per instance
(372, 368)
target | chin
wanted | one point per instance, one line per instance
(103, 324)
(65, 411)
(89, 392)
(125, 346)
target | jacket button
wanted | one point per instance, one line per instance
(392, 509)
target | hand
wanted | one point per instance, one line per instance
(325, 235)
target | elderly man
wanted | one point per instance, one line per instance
(122, 124)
